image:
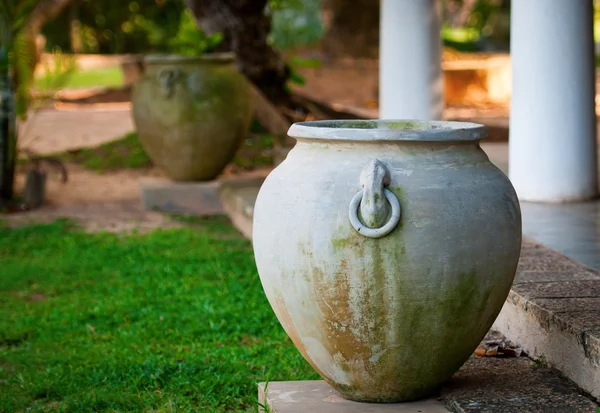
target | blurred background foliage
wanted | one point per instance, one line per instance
(142, 26)
(189, 40)
(148, 26)
(476, 25)
(295, 23)
(115, 26)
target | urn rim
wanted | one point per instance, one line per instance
(373, 130)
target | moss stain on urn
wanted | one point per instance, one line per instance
(423, 361)
(405, 125)
(390, 266)
(452, 307)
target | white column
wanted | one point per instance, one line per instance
(552, 149)
(410, 72)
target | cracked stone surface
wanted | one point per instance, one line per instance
(515, 385)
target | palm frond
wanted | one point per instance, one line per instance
(57, 73)
(21, 12)
(18, 54)
(23, 62)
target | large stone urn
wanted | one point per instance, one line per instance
(386, 250)
(191, 113)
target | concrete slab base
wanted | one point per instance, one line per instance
(197, 198)
(316, 396)
(193, 198)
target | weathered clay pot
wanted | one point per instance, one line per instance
(191, 113)
(386, 249)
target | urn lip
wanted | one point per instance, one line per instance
(225, 57)
(388, 130)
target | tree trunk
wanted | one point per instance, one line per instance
(8, 136)
(245, 27)
(44, 11)
(352, 28)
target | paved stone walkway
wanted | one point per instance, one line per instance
(572, 229)
(51, 131)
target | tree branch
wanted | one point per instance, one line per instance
(245, 27)
(44, 11)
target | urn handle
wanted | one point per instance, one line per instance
(168, 77)
(379, 208)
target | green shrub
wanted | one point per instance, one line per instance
(191, 41)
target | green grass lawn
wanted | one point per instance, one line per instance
(170, 321)
(127, 152)
(109, 77)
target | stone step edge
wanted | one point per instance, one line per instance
(238, 206)
(572, 350)
(553, 312)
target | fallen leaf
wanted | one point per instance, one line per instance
(492, 352)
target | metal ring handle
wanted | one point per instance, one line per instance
(375, 232)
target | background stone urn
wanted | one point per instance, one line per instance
(191, 113)
(386, 250)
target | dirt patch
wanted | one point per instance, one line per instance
(99, 202)
(123, 216)
(89, 187)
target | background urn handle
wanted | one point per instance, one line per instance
(378, 206)
(168, 78)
